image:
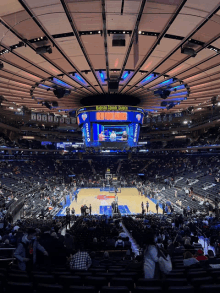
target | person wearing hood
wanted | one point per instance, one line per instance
(26, 251)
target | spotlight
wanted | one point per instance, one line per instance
(54, 104)
(60, 92)
(44, 49)
(163, 104)
(163, 94)
(189, 51)
(46, 104)
(1, 65)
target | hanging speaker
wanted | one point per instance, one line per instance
(118, 43)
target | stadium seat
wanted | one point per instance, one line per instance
(198, 282)
(49, 288)
(192, 275)
(175, 282)
(210, 289)
(108, 276)
(180, 289)
(13, 287)
(149, 283)
(23, 278)
(82, 289)
(132, 275)
(148, 289)
(97, 282)
(114, 289)
(43, 279)
(127, 282)
(68, 281)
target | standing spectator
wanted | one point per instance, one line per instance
(90, 209)
(150, 258)
(147, 206)
(26, 252)
(157, 206)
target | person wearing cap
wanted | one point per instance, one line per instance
(200, 255)
(26, 251)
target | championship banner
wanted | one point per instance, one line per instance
(44, 118)
(33, 116)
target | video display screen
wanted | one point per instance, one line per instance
(110, 133)
(110, 129)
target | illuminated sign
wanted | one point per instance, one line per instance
(112, 108)
(111, 116)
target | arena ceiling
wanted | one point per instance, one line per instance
(84, 60)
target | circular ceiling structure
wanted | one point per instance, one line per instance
(58, 55)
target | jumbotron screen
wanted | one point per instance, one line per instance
(110, 126)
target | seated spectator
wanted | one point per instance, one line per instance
(188, 246)
(189, 260)
(179, 249)
(119, 243)
(127, 242)
(80, 260)
(200, 255)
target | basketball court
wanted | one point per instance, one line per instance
(129, 201)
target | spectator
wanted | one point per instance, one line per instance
(150, 258)
(81, 260)
(200, 255)
(119, 243)
(189, 260)
(26, 252)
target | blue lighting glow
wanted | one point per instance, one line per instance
(179, 87)
(79, 78)
(125, 75)
(178, 94)
(62, 83)
(102, 76)
(164, 83)
(44, 86)
(148, 78)
(150, 110)
(176, 99)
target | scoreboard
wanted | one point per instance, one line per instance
(110, 126)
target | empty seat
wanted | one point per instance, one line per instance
(83, 275)
(68, 281)
(132, 275)
(175, 282)
(149, 283)
(148, 289)
(127, 282)
(210, 288)
(13, 287)
(197, 282)
(108, 276)
(94, 271)
(97, 282)
(82, 289)
(43, 279)
(192, 275)
(20, 278)
(114, 289)
(49, 288)
(180, 289)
